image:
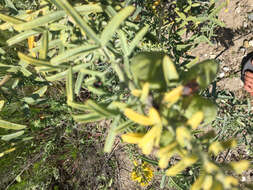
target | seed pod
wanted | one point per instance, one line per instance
(147, 67)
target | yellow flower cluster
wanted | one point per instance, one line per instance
(152, 138)
(142, 174)
(212, 177)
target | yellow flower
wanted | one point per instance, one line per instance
(138, 118)
(133, 138)
(230, 181)
(152, 137)
(166, 153)
(196, 119)
(198, 183)
(204, 182)
(240, 166)
(181, 165)
(216, 148)
(210, 167)
(173, 96)
(142, 174)
(207, 183)
(183, 136)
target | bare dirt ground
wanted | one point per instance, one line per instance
(233, 42)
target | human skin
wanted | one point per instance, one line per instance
(248, 81)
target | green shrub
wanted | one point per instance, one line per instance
(133, 71)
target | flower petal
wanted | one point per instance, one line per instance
(196, 119)
(173, 96)
(138, 118)
(154, 115)
(133, 138)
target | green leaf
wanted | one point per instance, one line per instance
(79, 82)
(64, 4)
(56, 15)
(69, 86)
(113, 25)
(79, 106)
(1, 104)
(9, 125)
(67, 55)
(12, 136)
(123, 41)
(40, 21)
(63, 74)
(198, 103)
(44, 47)
(111, 135)
(87, 118)
(96, 91)
(204, 73)
(123, 126)
(138, 37)
(10, 19)
(21, 36)
(36, 62)
(192, 63)
(41, 91)
(169, 70)
(119, 71)
(100, 109)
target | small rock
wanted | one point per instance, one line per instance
(251, 43)
(250, 16)
(242, 50)
(221, 75)
(212, 56)
(246, 43)
(243, 178)
(245, 24)
(226, 69)
(238, 10)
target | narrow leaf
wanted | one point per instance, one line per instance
(41, 91)
(64, 4)
(63, 74)
(139, 36)
(111, 135)
(44, 47)
(21, 36)
(33, 61)
(115, 23)
(9, 125)
(66, 55)
(100, 109)
(169, 70)
(79, 82)
(87, 118)
(12, 136)
(69, 86)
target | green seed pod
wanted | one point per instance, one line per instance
(147, 67)
(204, 73)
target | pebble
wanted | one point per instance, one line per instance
(221, 75)
(250, 16)
(251, 43)
(243, 178)
(212, 56)
(245, 24)
(246, 43)
(226, 69)
(242, 49)
(238, 10)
